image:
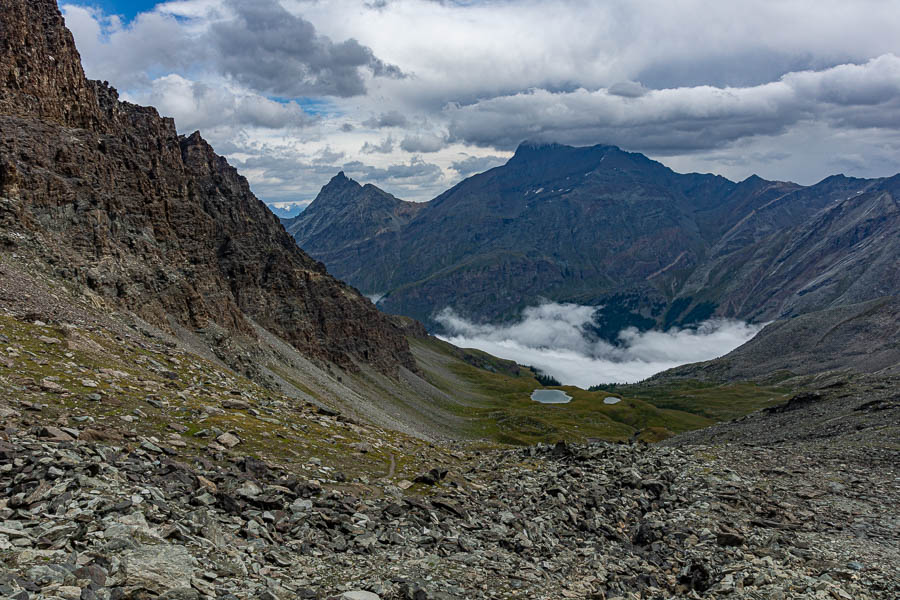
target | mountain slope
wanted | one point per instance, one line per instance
(601, 226)
(109, 195)
(556, 221)
(847, 251)
(862, 337)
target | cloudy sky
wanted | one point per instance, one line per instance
(413, 95)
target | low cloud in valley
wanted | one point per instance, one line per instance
(556, 339)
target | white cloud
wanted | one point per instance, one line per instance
(201, 105)
(129, 55)
(555, 338)
(714, 87)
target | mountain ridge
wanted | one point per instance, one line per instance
(594, 225)
(109, 195)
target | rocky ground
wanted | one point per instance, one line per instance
(86, 519)
(132, 468)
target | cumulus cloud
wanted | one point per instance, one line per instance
(386, 146)
(258, 44)
(391, 118)
(627, 89)
(423, 142)
(129, 54)
(688, 119)
(555, 338)
(199, 105)
(327, 156)
(274, 51)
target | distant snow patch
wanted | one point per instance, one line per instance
(375, 298)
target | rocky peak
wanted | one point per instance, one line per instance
(753, 180)
(41, 69)
(339, 190)
(529, 151)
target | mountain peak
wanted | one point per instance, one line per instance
(341, 181)
(536, 146)
(529, 151)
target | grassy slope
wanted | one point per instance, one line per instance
(176, 400)
(497, 405)
(490, 401)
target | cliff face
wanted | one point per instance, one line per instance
(40, 68)
(109, 196)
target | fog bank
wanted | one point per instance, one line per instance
(556, 338)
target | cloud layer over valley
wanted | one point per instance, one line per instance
(556, 339)
(413, 95)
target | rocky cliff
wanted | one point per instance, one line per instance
(111, 198)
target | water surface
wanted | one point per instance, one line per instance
(550, 397)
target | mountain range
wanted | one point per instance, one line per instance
(601, 226)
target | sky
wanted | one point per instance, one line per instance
(414, 95)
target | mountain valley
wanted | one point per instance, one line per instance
(194, 407)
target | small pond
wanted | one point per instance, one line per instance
(550, 397)
(611, 400)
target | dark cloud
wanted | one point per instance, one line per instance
(392, 118)
(688, 119)
(347, 127)
(628, 89)
(476, 164)
(416, 170)
(272, 51)
(328, 157)
(385, 147)
(739, 67)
